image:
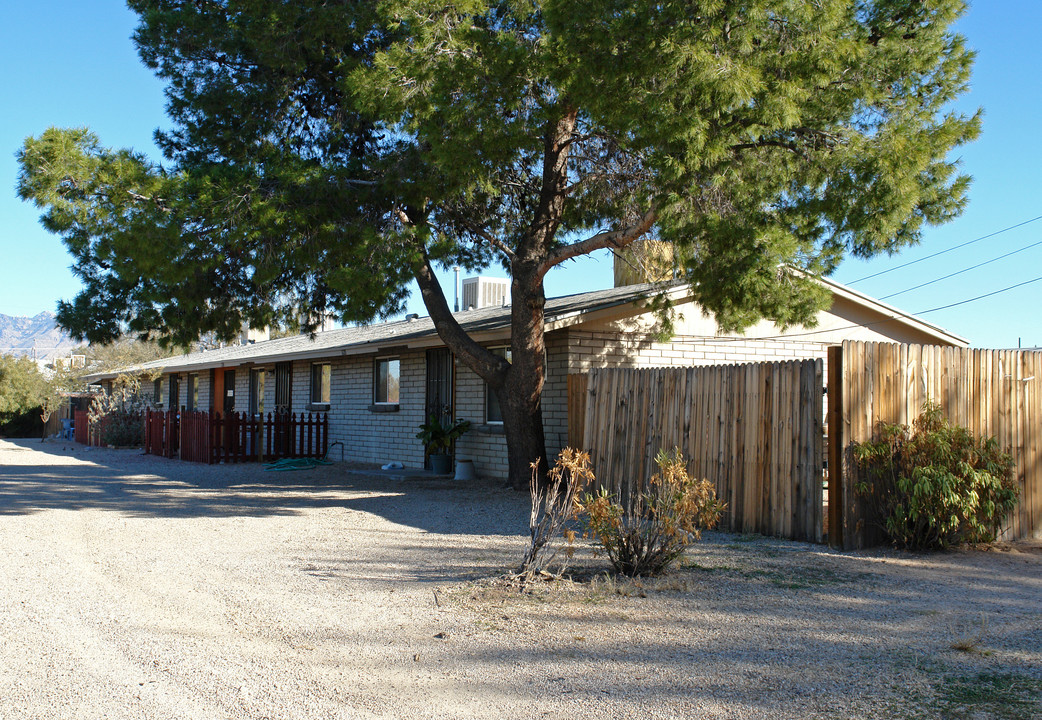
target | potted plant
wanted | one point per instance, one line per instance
(438, 435)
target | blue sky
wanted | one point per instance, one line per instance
(72, 64)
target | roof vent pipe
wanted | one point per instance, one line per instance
(455, 269)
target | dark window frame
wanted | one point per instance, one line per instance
(322, 384)
(381, 386)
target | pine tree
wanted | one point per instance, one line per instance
(325, 154)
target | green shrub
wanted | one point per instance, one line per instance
(117, 415)
(123, 428)
(646, 537)
(938, 486)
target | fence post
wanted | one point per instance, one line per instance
(311, 427)
(835, 438)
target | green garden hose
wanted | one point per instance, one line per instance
(296, 464)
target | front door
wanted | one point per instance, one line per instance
(223, 388)
(283, 382)
(175, 392)
(439, 384)
(229, 391)
(440, 396)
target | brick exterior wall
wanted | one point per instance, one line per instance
(370, 436)
(605, 349)
(484, 443)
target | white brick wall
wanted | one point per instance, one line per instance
(488, 449)
(605, 349)
(374, 437)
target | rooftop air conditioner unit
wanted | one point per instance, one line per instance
(483, 292)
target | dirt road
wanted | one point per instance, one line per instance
(136, 587)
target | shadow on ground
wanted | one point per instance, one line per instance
(54, 476)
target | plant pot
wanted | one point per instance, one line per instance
(441, 464)
(465, 470)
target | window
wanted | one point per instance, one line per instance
(256, 392)
(386, 377)
(493, 413)
(193, 392)
(157, 391)
(321, 374)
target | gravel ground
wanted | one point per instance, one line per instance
(138, 587)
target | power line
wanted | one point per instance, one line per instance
(942, 252)
(960, 272)
(979, 297)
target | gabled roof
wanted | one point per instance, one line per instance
(486, 324)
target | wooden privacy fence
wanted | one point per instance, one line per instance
(211, 437)
(754, 430)
(994, 393)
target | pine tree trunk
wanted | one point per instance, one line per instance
(526, 443)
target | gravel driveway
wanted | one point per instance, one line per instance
(137, 587)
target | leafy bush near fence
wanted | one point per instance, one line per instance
(118, 414)
(123, 428)
(647, 534)
(938, 485)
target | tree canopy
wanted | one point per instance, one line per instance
(323, 154)
(22, 386)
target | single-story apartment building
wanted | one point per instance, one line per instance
(378, 382)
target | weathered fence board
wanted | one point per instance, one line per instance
(991, 392)
(754, 430)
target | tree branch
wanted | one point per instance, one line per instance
(615, 239)
(490, 367)
(491, 240)
(765, 143)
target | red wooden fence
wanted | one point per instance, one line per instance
(196, 443)
(80, 427)
(87, 432)
(211, 437)
(161, 433)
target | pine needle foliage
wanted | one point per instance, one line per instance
(322, 156)
(937, 485)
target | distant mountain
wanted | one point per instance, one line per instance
(19, 335)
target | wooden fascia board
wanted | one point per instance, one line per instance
(892, 313)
